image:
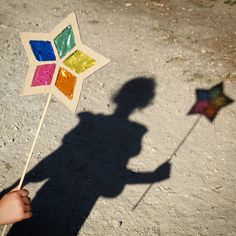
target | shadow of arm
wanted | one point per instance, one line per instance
(160, 174)
(39, 173)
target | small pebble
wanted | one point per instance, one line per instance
(128, 4)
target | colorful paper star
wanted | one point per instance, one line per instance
(59, 62)
(209, 102)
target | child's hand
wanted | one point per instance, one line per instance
(15, 206)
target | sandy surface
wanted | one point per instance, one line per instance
(184, 45)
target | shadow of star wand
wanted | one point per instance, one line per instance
(209, 102)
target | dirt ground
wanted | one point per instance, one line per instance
(183, 45)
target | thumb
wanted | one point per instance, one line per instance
(23, 192)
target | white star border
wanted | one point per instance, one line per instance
(28, 89)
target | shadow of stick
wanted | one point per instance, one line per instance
(170, 158)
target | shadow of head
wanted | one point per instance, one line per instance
(135, 94)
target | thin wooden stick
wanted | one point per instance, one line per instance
(35, 140)
(31, 152)
(4, 230)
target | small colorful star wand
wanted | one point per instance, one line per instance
(209, 102)
(58, 64)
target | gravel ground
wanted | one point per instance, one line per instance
(182, 45)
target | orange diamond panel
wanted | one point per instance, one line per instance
(65, 82)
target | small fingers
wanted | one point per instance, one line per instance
(26, 200)
(27, 208)
(27, 215)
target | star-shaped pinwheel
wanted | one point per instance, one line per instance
(209, 102)
(59, 62)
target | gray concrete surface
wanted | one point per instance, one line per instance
(185, 44)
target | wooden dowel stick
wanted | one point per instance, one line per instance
(4, 230)
(35, 140)
(31, 151)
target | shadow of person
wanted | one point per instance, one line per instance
(90, 163)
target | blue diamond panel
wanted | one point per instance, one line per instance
(202, 95)
(42, 50)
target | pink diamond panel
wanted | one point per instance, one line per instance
(43, 75)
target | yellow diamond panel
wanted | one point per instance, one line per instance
(79, 62)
